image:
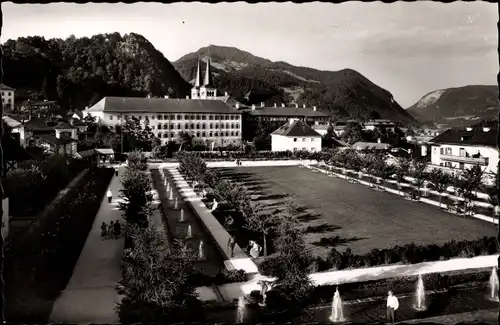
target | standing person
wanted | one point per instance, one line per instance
(110, 229)
(116, 171)
(392, 306)
(231, 243)
(109, 194)
(104, 228)
(117, 228)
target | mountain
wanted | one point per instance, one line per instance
(344, 93)
(457, 107)
(78, 72)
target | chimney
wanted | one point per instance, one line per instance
(486, 129)
(296, 105)
(187, 97)
(468, 129)
(303, 105)
(166, 96)
(379, 140)
(253, 107)
(314, 108)
(237, 105)
(262, 104)
(282, 104)
(275, 105)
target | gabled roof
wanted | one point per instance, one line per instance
(296, 129)
(161, 105)
(50, 138)
(37, 125)
(5, 87)
(284, 111)
(370, 145)
(64, 126)
(475, 137)
(12, 123)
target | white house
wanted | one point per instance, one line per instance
(465, 148)
(295, 135)
(7, 94)
(381, 124)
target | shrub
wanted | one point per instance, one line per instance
(137, 160)
(136, 196)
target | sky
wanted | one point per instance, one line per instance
(409, 49)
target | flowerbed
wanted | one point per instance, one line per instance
(31, 188)
(37, 269)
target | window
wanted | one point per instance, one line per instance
(178, 126)
(203, 117)
(203, 126)
(211, 126)
(441, 151)
(232, 133)
(197, 126)
(232, 125)
(178, 116)
(159, 117)
(303, 139)
(227, 133)
(111, 117)
(462, 165)
(294, 149)
(237, 125)
(192, 126)
(159, 126)
(236, 133)
(203, 134)
(294, 139)
(165, 117)
(216, 134)
(165, 135)
(198, 117)
(210, 117)
(210, 134)
(197, 134)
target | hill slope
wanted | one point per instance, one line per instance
(78, 72)
(455, 107)
(344, 93)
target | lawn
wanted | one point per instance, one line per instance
(354, 215)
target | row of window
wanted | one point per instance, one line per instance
(7, 93)
(201, 134)
(192, 126)
(303, 139)
(183, 117)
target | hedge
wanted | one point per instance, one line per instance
(44, 262)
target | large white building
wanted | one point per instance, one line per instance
(465, 148)
(7, 96)
(295, 135)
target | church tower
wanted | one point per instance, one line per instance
(208, 91)
(195, 91)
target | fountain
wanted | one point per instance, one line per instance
(171, 196)
(182, 216)
(201, 254)
(494, 284)
(168, 186)
(189, 232)
(337, 308)
(420, 303)
(240, 314)
(176, 205)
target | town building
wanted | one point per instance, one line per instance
(295, 135)
(284, 113)
(460, 148)
(376, 146)
(210, 121)
(340, 126)
(373, 125)
(8, 95)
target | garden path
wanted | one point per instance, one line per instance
(91, 295)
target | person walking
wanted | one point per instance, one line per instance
(117, 228)
(104, 228)
(111, 229)
(109, 194)
(231, 243)
(392, 306)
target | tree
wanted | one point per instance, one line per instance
(382, 169)
(466, 184)
(492, 192)
(440, 181)
(137, 197)
(418, 172)
(353, 133)
(186, 141)
(327, 139)
(158, 282)
(403, 166)
(258, 221)
(137, 160)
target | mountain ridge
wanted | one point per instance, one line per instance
(344, 94)
(457, 106)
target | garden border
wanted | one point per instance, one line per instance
(212, 226)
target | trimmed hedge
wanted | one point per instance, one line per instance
(41, 266)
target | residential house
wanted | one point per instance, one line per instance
(58, 137)
(377, 146)
(295, 135)
(373, 125)
(340, 126)
(8, 95)
(460, 148)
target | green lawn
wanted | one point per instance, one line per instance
(362, 218)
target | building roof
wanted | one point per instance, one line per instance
(92, 152)
(105, 151)
(5, 87)
(284, 111)
(12, 123)
(50, 138)
(161, 105)
(380, 122)
(321, 126)
(297, 128)
(475, 137)
(38, 125)
(64, 126)
(340, 143)
(370, 145)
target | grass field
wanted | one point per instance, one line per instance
(354, 215)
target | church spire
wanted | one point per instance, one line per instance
(208, 75)
(198, 75)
